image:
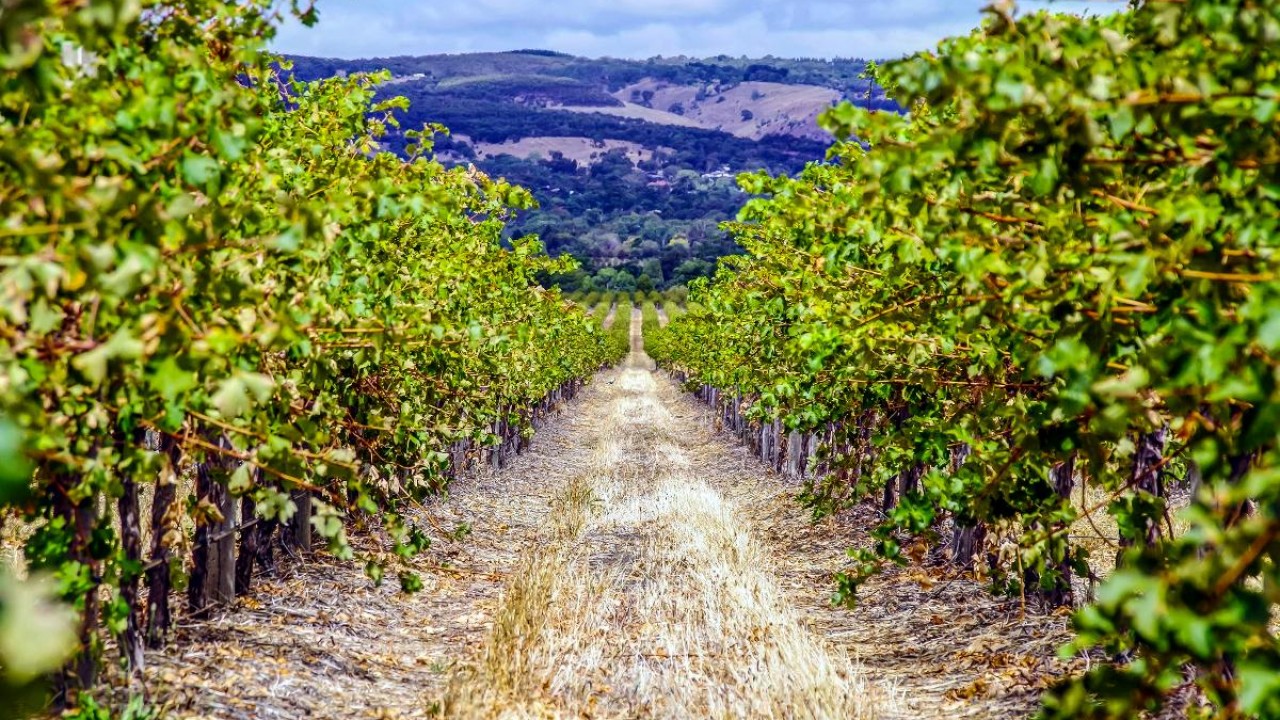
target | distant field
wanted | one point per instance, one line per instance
(507, 79)
(640, 112)
(584, 151)
(748, 109)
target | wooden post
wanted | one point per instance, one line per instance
(1061, 595)
(796, 455)
(213, 558)
(1146, 478)
(1240, 465)
(131, 544)
(500, 429)
(966, 541)
(299, 529)
(763, 450)
(457, 460)
(770, 453)
(248, 554)
(813, 442)
(779, 449)
(888, 500)
(966, 537)
(163, 509)
(859, 442)
(909, 480)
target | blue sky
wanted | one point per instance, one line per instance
(641, 28)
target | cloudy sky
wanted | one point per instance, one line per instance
(640, 28)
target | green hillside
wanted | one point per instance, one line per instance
(632, 162)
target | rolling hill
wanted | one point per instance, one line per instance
(632, 161)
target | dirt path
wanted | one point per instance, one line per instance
(647, 596)
(633, 563)
(611, 317)
(663, 318)
(322, 642)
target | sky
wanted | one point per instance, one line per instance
(877, 29)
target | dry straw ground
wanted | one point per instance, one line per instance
(633, 563)
(648, 596)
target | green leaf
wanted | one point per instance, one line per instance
(1259, 687)
(1123, 585)
(170, 380)
(241, 480)
(37, 634)
(45, 318)
(15, 468)
(199, 170)
(1269, 332)
(410, 582)
(232, 398)
(274, 505)
(93, 364)
(1126, 385)
(237, 394)
(230, 144)
(375, 572)
(1122, 122)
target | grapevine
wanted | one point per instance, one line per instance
(211, 271)
(1059, 269)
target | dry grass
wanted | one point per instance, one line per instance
(712, 633)
(776, 108)
(1098, 533)
(584, 151)
(632, 564)
(518, 628)
(320, 641)
(940, 643)
(650, 598)
(639, 112)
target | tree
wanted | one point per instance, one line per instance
(692, 269)
(623, 281)
(605, 277)
(652, 267)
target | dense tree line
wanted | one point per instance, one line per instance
(498, 121)
(612, 215)
(848, 75)
(528, 90)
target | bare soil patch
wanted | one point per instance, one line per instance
(584, 151)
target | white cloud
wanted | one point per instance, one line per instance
(641, 28)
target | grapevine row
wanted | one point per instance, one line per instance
(1059, 270)
(227, 318)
